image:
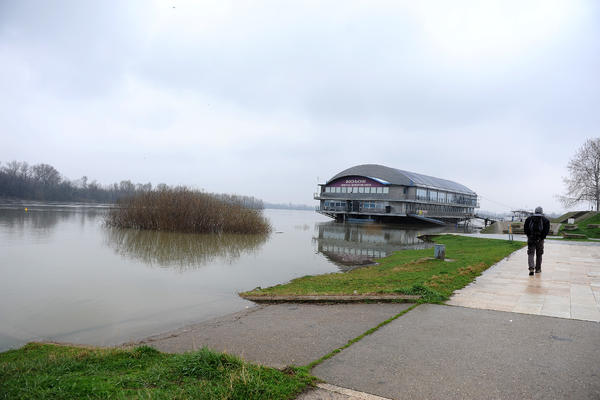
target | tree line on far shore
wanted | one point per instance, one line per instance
(43, 182)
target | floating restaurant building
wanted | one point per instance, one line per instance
(382, 193)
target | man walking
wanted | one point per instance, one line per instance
(536, 228)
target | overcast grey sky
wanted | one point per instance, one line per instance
(265, 97)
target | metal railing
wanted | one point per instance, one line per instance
(388, 197)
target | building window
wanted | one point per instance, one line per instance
(386, 190)
(433, 195)
(371, 205)
(421, 194)
(442, 197)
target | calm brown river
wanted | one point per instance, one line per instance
(68, 278)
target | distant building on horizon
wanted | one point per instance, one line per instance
(372, 191)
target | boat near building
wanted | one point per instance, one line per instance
(380, 193)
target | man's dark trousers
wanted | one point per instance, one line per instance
(535, 247)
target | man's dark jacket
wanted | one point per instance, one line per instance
(536, 220)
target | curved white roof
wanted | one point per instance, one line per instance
(395, 176)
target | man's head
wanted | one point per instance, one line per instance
(539, 210)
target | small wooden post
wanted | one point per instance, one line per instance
(439, 251)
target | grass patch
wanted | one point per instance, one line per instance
(45, 371)
(582, 228)
(408, 271)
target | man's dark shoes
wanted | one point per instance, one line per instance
(538, 270)
(530, 272)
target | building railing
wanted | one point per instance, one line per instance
(440, 214)
(349, 210)
(388, 197)
(423, 213)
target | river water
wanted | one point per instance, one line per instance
(68, 278)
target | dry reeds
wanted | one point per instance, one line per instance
(184, 210)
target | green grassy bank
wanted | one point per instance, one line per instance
(45, 371)
(409, 271)
(582, 228)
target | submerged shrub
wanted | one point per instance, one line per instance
(185, 210)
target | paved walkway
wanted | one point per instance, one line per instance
(281, 334)
(568, 287)
(444, 352)
(325, 391)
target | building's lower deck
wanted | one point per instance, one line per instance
(382, 210)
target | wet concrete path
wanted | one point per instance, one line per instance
(279, 335)
(445, 352)
(567, 287)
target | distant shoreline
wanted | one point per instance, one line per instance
(17, 201)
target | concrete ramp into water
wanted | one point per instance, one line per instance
(279, 335)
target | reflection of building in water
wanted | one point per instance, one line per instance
(368, 253)
(181, 250)
(383, 194)
(350, 245)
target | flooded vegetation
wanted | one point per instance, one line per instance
(185, 210)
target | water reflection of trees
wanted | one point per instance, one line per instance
(41, 222)
(181, 250)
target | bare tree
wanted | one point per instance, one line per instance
(46, 174)
(12, 168)
(583, 182)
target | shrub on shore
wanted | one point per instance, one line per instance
(190, 211)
